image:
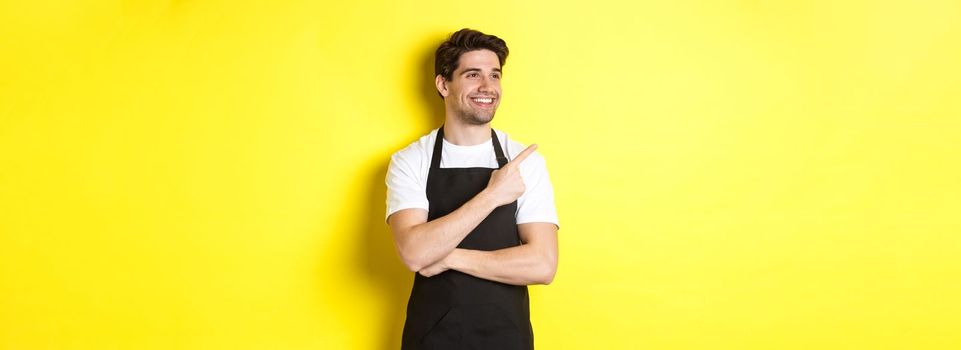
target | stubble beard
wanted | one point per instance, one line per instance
(475, 118)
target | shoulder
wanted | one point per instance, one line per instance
(414, 153)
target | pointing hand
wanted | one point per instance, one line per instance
(506, 184)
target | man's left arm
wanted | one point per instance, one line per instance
(532, 262)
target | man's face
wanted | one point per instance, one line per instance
(474, 91)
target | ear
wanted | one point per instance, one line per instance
(441, 84)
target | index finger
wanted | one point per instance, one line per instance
(526, 152)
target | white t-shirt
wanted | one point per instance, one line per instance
(407, 175)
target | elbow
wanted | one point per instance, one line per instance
(548, 270)
(413, 260)
(548, 277)
(409, 256)
(412, 263)
(414, 266)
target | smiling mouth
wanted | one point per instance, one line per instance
(483, 101)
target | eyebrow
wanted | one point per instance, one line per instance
(498, 70)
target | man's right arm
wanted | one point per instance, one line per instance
(422, 243)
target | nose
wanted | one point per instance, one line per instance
(487, 84)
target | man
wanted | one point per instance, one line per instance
(476, 226)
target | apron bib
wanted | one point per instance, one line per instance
(454, 310)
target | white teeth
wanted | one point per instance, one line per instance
(484, 100)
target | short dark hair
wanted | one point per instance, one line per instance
(447, 57)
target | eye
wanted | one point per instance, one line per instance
(472, 75)
(496, 76)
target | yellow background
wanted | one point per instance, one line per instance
(728, 174)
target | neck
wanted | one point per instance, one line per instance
(462, 134)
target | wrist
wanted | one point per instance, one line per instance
(455, 260)
(486, 199)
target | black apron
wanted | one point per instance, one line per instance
(454, 310)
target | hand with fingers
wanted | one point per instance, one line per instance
(506, 184)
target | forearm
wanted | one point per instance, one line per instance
(431, 241)
(519, 265)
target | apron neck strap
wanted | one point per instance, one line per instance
(439, 142)
(501, 159)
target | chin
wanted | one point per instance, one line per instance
(482, 121)
(478, 119)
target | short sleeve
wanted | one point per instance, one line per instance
(405, 189)
(537, 202)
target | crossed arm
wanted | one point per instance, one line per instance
(430, 247)
(532, 262)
